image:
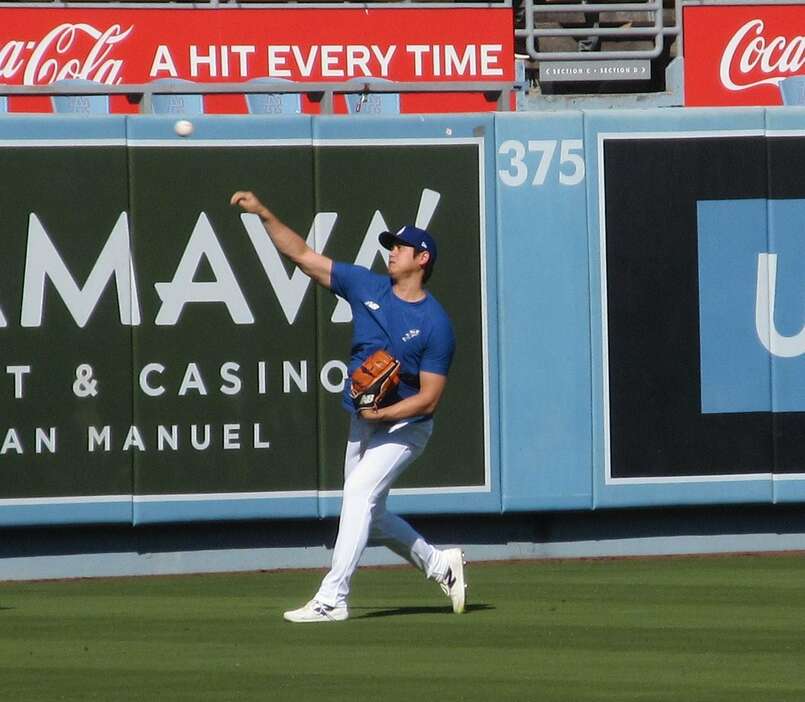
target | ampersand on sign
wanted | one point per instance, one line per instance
(85, 385)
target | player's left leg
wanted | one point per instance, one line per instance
(393, 532)
(445, 567)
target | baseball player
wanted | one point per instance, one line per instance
(397, 314)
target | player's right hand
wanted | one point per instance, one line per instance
(247, 201)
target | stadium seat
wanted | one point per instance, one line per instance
(793, 90)
(79, 104)
(373, 103)
(176, 103)
(273, 103)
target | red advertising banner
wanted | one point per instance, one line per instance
(114, 46)
(738, 54)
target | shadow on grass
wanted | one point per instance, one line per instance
(402, 611)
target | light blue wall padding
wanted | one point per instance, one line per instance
(66, 512)
(543, 307)
(642, 124)
(201, 509)
(220, 128)
(426, 503)
(49, 128)
(3, 103)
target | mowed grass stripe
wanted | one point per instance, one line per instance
(696, 629)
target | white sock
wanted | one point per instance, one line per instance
(437, 566)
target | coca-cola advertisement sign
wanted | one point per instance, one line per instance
(739, 54)
(129, 45)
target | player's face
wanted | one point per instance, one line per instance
(403, 260)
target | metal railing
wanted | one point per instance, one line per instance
(653, 30)
(499, 92)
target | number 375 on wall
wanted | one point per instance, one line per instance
(521, 164)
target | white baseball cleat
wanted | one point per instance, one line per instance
(315, 611)
(453, 583)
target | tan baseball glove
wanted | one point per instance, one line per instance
(375, 378)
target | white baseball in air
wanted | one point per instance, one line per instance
(184, 127)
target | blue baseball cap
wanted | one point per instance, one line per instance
(410, 235)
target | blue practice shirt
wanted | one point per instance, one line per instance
(418, 334)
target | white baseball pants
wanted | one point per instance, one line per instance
(376, 455)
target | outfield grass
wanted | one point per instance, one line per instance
(685, 629)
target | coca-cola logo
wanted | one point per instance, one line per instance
(749, 52)
(67, 51)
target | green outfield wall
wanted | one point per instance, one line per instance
(625, 288)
